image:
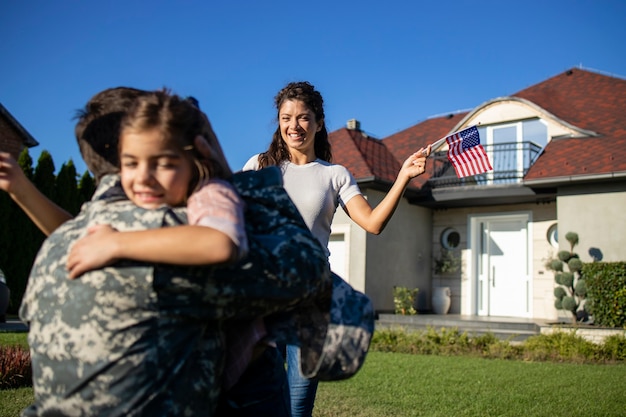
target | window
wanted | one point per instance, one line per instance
(450, 239)
(553, 235)
(513, 147)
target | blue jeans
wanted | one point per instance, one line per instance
(301, 390)
(262, 390)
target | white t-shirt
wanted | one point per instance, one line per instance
(316, 189)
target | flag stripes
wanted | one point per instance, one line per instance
(466, 154)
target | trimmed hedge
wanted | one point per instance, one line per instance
(606, 290)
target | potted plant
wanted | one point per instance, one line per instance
(404, 300)
(448, 262)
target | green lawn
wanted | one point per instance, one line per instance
(13, 401)
(398, 385)
(395, 384)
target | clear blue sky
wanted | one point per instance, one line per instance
(390, 64)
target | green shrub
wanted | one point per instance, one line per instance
(567, 279)
(581, 288)
(559, 293)
(404, 300)
(564, 255)
(614, 348)
(572, 298)
(448, 262)
(572, 238)
(561, 346)
(575, 265)
(555, 265)
(606, 288)
(568, 303)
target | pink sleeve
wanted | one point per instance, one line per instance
(217, 205)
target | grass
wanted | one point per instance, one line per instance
(397, 384)
(403, 384)
(14, 339)
(13, 401)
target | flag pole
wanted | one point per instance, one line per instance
(437, 144)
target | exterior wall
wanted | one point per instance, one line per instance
(443, 219)
(10, 141)
(399, 256)
(507, 110)
(543, 216)
(356, 246)
(596, 214)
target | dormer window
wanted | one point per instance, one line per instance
(513, 147)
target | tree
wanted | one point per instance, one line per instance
(24, 240)
(20, 239)
(44, 177)
(67, 193)
(86, 187)
(571, 290)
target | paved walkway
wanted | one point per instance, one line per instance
(509, 328)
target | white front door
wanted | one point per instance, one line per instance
(337, 258)
(502, 265)
(339, 248)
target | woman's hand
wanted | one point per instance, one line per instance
(416, 163)
(11, 174)
(93, 251)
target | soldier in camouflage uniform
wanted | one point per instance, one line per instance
(139, 339)
(143, 339)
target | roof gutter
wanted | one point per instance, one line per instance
(575, 178)
(380, 184)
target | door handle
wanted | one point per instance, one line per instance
(493, 276)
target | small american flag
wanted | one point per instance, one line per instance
(466, 154)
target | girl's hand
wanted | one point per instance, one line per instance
(416, 164)
(11, 174)
(93, 251)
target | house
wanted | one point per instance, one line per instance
(558, 149)
(13, 137)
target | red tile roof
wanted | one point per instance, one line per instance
(363, 155)
(590, 101)
(404, 143)
(585, 99)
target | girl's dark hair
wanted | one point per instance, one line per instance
(305, 92)
(180, 122)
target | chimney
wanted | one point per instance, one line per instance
(353, 124)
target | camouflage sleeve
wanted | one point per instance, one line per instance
(286, 266)
(100, 345)
(330, 321)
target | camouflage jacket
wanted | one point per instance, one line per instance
(146, 340)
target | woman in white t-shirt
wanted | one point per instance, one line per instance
(301, 149)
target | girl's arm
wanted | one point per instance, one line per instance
(374, 220)
(181, 245)
(46, 215)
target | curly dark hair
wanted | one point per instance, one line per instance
(305, 92)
